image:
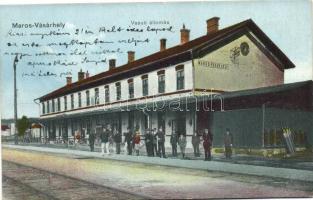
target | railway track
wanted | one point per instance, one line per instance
(28, 183)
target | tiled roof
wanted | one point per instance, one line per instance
(175, 51)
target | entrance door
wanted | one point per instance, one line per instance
(131, 120)
(179, 125)
(64, 130)
(161, 120)
(203, 120)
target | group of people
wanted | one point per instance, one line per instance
(207, 138)
(108, 138)
(154, 141)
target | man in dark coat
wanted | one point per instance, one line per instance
(161, 141)
(92, 141)
(154, 143)
(195, 140)
(207, 144)
(128, 141)
(104, 136)
(228, 143)
(117, 139)
(149, 143)
(174, 140)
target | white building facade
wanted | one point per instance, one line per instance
(166, 89)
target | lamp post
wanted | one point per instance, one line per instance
(15, 101)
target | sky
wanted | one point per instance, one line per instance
(287, 23)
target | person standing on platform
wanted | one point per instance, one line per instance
(91, 140)
(134, 134)
(182, 144)
(104, 136)
(207, 144)
(195, 143)
(128, 141)
(149, 143)
(161, 142)
(137, 142)
(173, 141)
(228, 144)
(111, 140)
(118, 140)
(154, 143)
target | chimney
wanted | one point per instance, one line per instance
(131, 56)
(87, 74)
(162, 44)
(81, 75)
(68, 80)
(112, 64)
(184, 35)
(212, 24)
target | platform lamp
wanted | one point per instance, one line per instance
(15, 101)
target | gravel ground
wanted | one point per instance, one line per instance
(22, 183)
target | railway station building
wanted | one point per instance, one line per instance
(231, 78)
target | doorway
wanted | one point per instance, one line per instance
(179, 124)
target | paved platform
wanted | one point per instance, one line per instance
(275, 172)
(303, 161)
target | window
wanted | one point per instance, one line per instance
(53, 106)
(97, 96)
(118, 91)
(43, 108)
(72, 101)
(65, 103)
(79, 100)
(161, 78)
(107, 94)
(145, 91)
(131, 88)
(87, 98)
(180, 77)
(48, 107)
(59, 105)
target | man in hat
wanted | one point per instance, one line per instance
(173, 140)
(91, 140)
(195, 140)
(161, 142)
(228, 144)
(128, 141)
(207, 144)
(117, 139)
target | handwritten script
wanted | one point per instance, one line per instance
(56, 49)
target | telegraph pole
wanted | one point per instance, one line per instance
(15, 101)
